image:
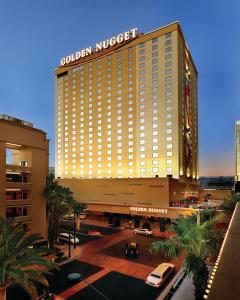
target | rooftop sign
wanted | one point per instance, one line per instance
(122, 37)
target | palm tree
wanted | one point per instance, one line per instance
(230, 203)
(78, 209)
(197, 241)
(18, 259)
(59, 203)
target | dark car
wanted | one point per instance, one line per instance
(132, 249)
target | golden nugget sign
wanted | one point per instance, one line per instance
(122, 37)
(148, 210)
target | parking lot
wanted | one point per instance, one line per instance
(103, 263)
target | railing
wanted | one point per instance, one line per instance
(15, 120)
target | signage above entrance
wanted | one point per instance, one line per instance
(122, 37)
(148, 210)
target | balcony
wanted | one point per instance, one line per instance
(18, 168)
(16, 180)
(19, 213)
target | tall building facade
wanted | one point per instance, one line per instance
(128, 107)
(23, 172)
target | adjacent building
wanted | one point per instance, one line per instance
(24, 167)
(127, 121)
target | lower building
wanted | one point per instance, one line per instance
(23, 171)
(216, 188)
(151, 197)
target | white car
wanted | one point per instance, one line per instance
(146, 232)
(160, 275)
(64, 236)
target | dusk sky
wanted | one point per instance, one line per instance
(35, 35)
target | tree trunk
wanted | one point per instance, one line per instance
(200, 279)
(78, 223)
(3, 295)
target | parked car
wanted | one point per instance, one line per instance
(160, 275)
(64, 236)
(143, 231)
(132, 249)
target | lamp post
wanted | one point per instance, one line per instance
(74, 229)
(69, 239)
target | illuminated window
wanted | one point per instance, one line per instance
(155, 162)
(169, 169)
(142, 170)
(155, 155)
(169, 161)
(142, 163)
(169, 153)
(155, 170)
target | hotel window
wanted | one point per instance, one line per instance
(154, 61)
(169, 169)
(169, 123)
(155, 155)
(169, 146)
(169, 138)
(154, 47)
(155, 162)
(155, 147)
(168, 56)
(168, 49)
(130, 156)
(155, 170)
(141, 45)
(154, 54)
(169, 161)
(142, 170)
(169, 153)
(142, 65)
(130, 163)
(142, 155)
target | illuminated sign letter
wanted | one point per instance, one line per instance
(134, 32)
(120, 38)
(63, 61)
(98, 47)
(112, 41)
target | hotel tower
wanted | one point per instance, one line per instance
(127, 107)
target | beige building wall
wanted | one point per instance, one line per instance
(123, 112)
(119, 194)
(23, 173)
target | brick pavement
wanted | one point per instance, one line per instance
(89, 253)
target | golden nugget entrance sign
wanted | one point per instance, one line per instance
(122, 37)
(145, 210)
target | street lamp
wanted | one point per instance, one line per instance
(69, 237)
